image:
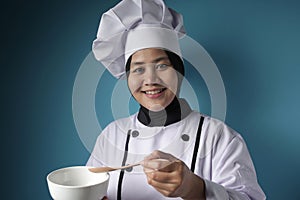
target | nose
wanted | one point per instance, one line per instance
(150, 77)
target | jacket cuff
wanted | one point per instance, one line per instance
(215, 191)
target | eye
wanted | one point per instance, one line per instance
(138, 70)
(161, 66)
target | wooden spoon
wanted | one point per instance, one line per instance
(109, 169)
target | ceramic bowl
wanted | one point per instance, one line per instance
(77, 183)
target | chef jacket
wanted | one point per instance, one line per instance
(211, 149)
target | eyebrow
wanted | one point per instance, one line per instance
(154, 61)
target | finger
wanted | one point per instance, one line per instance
(165, 188)
(154, 155)
(160, 155)
(166, 193)
(171, 166)
(158, 164)
(164, 177)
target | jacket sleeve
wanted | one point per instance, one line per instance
(107, 151)
(233, 174)
(94, 159)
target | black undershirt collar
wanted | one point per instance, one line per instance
(177, 110)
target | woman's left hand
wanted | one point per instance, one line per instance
(170, 176)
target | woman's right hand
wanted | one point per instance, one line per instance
(171, 177)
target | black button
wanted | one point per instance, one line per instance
(185, 137)
(135, 133)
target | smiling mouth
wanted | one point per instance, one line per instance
(152, 92)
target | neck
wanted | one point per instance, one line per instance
(174, 112)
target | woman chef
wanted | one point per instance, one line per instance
(183, 154)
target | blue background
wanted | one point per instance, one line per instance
(255, 45)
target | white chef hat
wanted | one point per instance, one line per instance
(133, 25)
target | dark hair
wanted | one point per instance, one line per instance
(176, 62)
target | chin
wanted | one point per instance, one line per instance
(156, 108)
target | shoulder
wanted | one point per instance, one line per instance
(116, 130)
(218, 127)
(123, 123)
(216, 134)
(211, 125)
(115, 133)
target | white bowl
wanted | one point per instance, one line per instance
(77, 183)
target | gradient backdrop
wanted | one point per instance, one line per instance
(255, 45)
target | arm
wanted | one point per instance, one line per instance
(171, 177)
(94, 160)
(233, 173)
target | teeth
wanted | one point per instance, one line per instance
(153, 92)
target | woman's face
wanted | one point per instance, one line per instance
(152, 80)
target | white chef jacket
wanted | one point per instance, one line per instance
(222, 159)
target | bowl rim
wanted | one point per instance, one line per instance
(69, 186)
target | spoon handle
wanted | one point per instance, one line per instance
(128, 166)
(109, 169)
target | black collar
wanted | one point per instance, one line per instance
(177, 110)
